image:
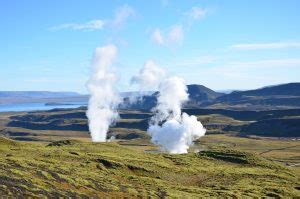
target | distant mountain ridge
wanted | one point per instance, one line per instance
(271, 97)
(278, 95)
(198, 94)
(291, 89)
(202, 93)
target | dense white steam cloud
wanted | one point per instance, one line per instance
(169, 128)
(178, 130)
(104, 98)
(177, 135)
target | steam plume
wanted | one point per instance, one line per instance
(176, 136)
(104, 99)
(169, 128)
(172, 93)
(149, 76)
(148, 79)
(179, 130)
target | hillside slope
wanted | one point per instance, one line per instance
(202, 93)
(285, 95)
(198, 95)
(282, 127)
(82, 169)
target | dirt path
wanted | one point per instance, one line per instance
(278, 149)
(294, 165)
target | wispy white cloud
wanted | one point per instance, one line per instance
(261, 46)
(174, 36)
(87, 26)
(121, 15)
(157, 37)
(197, 13)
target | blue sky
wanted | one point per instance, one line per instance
(48, 45)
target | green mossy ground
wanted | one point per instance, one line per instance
(84, 169)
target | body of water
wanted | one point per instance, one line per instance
(36, 106)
